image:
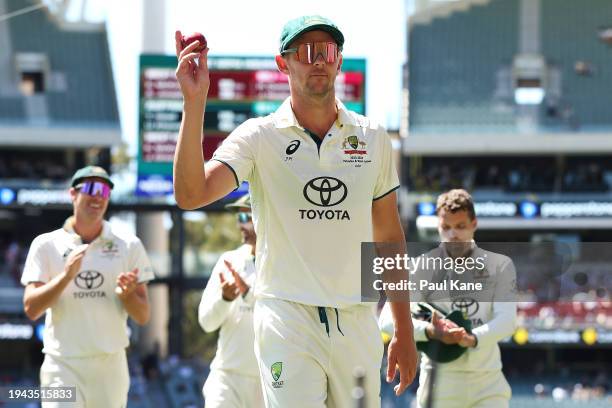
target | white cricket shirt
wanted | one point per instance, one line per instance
(88, 318)
(234, 319)
(312, 207)
(492, 313)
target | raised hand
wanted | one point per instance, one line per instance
(192, 70)
(127, 282)
(444, 330)
(73, 263)
(402, 357)
(468, 340)
(240, 283)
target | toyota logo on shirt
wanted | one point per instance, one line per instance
(469, 307)
(89, 280)
(325, 191)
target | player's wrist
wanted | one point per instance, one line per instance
(430, 331)
(194, 104)
(66, 276)
(474, 341)
(404, 332)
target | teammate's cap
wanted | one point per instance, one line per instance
(298, 26)
(243, 202)
(90, 171)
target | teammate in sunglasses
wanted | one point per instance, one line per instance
(87, 278)
(322, 181)
(227, 306)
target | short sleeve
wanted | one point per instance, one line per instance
(237, 151)
(387, 180)
(36, 266)
(139, 259)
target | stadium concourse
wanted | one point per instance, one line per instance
(509, 99)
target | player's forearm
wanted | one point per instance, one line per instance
(420, 329)
(213, 312)
(189, 173)
(137, 307)
(501, 326)
(36, 300)
(402, 320)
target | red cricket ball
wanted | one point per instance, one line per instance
(188, 39)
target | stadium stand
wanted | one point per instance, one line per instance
(461, 72)
(72, 61)
(58, 107)
(467, 128)
(455, 48)
(514, 174)
(12, 108)
(569, 36)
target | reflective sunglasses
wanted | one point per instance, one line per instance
(244, 217)
(307, 53)
(95, 188)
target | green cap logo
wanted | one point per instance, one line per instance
(276, 369)
(353, 141)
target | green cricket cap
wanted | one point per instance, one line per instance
(298, 26)
(90, 171)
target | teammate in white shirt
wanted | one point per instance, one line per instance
(227, 305)
(322, 181)
(474, 379)
(88, 278)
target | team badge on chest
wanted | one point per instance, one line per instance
(355, 151)
(109, 249)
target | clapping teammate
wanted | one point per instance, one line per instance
(227, 306)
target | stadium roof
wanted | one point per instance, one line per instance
(443, 9)
(56, 81)
(506, 143)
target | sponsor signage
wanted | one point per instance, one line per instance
(586, 337)
(34, 196)
(533, 209)
(16, 331)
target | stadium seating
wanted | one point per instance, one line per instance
(11, 108)
(453, 67)
(78, 60)
(454, 61)
(570, 35)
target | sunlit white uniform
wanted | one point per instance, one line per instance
(234, 377)
(312, 209)
(86, 331)
(474, 379)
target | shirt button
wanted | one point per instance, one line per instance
(329, 135)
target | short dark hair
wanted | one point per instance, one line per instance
(456, 200)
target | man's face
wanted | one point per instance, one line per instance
(456, 227)
(247, 229)
(87, 207)
(457, 231)
(316, 79)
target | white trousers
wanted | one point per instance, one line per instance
(307, 355)
(232, 390)
(469, 389)
(101, 381)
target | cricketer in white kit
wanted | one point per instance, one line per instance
(322, 181)
(88, 278)
(474, 379)
(227, 305)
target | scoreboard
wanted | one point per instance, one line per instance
(240, 88)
